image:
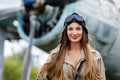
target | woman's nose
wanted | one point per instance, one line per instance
(74, 32)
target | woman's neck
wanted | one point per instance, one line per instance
(74, 53)
(75, 46)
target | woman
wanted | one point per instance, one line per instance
(73, 58)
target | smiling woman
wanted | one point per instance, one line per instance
(73, 58)
(74, 32)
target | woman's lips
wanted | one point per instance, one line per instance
(75, 37)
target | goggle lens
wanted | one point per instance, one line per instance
(74, 17)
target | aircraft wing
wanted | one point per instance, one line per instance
(6, 13)
(9, 8)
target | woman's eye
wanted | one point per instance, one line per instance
(70, 29)
(78, 28)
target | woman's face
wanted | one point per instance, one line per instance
(74, 32)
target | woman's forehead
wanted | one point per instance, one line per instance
(74, 24)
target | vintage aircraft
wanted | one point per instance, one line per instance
(8, 13)
(102, 18)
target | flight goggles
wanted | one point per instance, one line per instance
(73, 17)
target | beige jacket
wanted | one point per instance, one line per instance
(69, 70)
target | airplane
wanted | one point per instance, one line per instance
(8, 21)
(102, 18)
(103, 26)
(8, 13)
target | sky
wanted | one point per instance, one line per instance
(39, 56)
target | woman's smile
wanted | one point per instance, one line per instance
(74, 37)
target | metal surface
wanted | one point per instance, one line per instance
(2, 38)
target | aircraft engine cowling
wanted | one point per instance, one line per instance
(44, 25)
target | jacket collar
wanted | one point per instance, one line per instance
(68, 61)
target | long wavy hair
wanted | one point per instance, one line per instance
(55, 66)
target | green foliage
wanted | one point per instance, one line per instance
(33, 74)
(13, 68)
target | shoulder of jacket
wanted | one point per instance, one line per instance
(96, 54)
(55, 50)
